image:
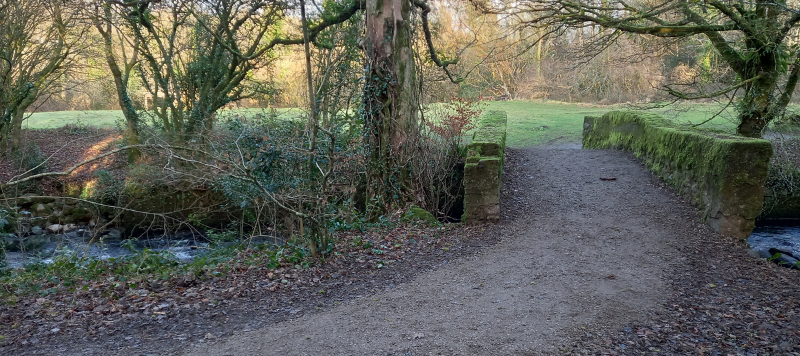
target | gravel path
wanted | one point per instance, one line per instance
(578, 254)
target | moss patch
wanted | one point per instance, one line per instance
(722, 174)
(416, 213)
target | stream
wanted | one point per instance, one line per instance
(783, 237)
(183, 246)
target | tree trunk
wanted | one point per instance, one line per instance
(759, 106)
(16, 130)
(4, 129)
(126, 104)
(18, 118)
(752, 124)
(121, 75)
(390, 103)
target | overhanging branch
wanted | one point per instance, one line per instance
(313, 32)
(684, 96)
(423, 5)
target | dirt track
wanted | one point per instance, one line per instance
(577, 253)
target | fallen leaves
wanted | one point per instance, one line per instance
(751, 307)
(105, 310)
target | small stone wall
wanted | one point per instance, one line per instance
(43, 211)
(484, 169)
(31, 213)
(722, 174)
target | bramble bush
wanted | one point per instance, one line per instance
(281, 186)
(439, 169)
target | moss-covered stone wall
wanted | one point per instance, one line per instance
(484, 169)
(722, 174)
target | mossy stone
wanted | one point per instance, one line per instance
(484, 168)
(415, 213)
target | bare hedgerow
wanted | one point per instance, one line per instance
(783, 180)
(439, 166)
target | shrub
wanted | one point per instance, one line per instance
(439, 167)
(30, 161)
(784, 178)
(279, 184)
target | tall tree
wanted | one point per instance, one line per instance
(196, 56)
(38, 39)
(199, 55)
(121, 54)
(753, 38)
(390, 99)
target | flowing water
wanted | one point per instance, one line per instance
(783, 235)
(184, 246)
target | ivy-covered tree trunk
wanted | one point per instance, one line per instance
(121, 74)
(757, 109)
(759, 105)
(390, 102)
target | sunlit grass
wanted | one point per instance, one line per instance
(114, 118)
(530, 123)
(56, 119)
(533, 123)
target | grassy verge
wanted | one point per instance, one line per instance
(56, 119)
(70, 271)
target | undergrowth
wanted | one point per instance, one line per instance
(70, 271)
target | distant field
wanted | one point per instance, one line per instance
(109, 118)
(530, 123)
(97, 118)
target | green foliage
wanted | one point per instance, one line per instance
(6, 227)
(417, 214)
(217, 237)
(69, 271)
(275, 159)
(107, 189)
(6, 220)
(30, 161)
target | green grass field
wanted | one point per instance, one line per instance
(111, 118)
(530, 123)
(98, 118)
